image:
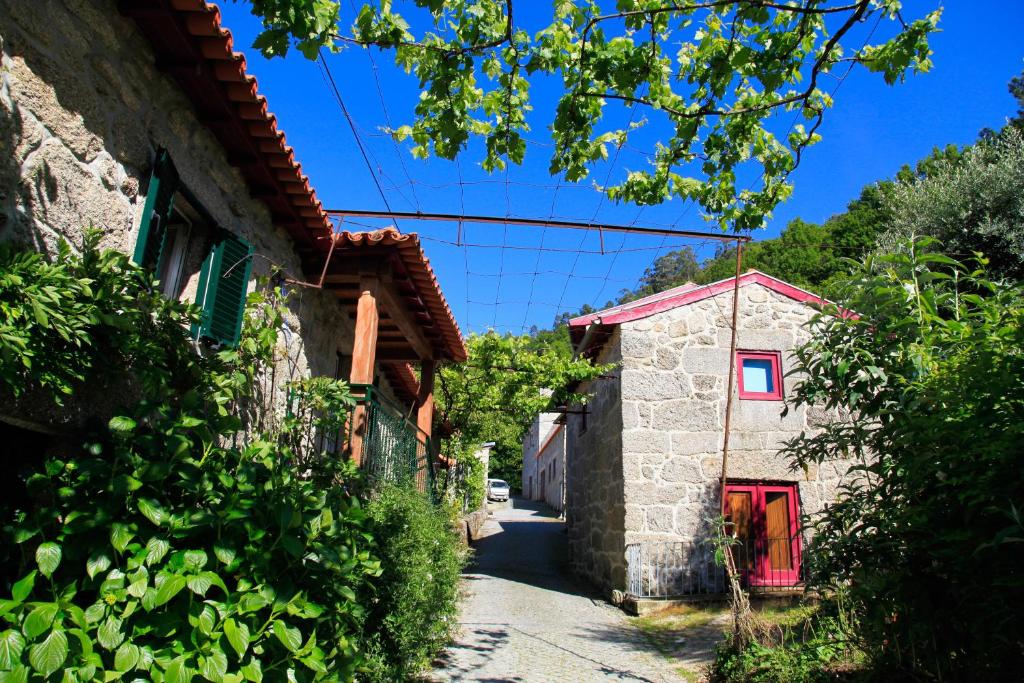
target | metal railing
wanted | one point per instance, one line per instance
(668, 569)
(393, 448)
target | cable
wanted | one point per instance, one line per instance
(352, 126)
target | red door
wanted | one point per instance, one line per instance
(764, 519)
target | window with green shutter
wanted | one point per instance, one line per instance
(163, 183)
(223, 284)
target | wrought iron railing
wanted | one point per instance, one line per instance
(668, 569)
(392, 448)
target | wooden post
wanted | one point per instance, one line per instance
(425, 398)
(364, 350)
(425, 418)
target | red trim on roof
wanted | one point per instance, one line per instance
(687, 294)
(417, 265)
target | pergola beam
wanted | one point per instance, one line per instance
(536, 222)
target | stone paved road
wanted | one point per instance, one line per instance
(524, 620)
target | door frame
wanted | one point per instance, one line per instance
(763, 574)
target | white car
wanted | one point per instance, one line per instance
(497, 490)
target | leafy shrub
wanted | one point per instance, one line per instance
(930, 377)
(813, 649)
(413, 604)
(158, 549)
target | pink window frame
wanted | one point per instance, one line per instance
(763, 574)
(775, 358)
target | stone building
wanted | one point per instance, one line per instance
(544, 460)
(645, 455)
(140, 119)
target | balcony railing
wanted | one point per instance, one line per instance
(670, 569)
(393, 449)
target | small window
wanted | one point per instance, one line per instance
(760, 375)
(192, 259)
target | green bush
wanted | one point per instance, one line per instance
(174, 543)
(414, 603)
(927, 385)
(813, 649)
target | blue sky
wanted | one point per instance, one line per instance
(872, 131)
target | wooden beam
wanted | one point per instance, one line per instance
(364, 348)
(397, 355)
(425, 398)
(404, 320)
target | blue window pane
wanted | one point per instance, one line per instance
(758, 376)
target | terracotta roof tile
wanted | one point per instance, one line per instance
(417, 265)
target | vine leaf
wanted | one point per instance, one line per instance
(238, 636)
(22, 589)
(289, 636)
(49, 655)
(39, 619)
(12, 644)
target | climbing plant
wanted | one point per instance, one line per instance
(709, 76)
(169, 543)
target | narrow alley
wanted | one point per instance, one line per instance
(525, 619)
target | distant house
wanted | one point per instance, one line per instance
(139, 119)
(544, 460)
(645, 454)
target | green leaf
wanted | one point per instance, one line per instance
(109, 633)
(289, 636)
(17, 675)
(98, 562)
(39, 619)
(214, 665)
(22, 589)
(120, 536)
(152, 511)
(224, 553)
(156, 548)
(169, 587)
(178, 671)
(207, 619)
(49, 655)
(195, 559)
(11, 646)
(237, 635)
(126, 657)
(48, 558)
(121, 423)
(253, 671)
(252, 602)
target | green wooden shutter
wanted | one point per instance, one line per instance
(163, 183)
(223, 284)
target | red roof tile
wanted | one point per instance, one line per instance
(417, 266)
(192, 47)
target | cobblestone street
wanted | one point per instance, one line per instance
(523, 619)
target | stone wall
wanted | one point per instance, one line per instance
(595, 509)
(551, 468)
(82, 113)
(674, 373)
(539, 431)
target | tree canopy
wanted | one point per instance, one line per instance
(507, 380)
(711, 74)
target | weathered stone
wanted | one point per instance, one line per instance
(681, 468)
(666, 358)
(686, 415)
(678, 328)
(636, 345)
